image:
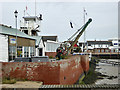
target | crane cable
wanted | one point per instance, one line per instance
(75, 33)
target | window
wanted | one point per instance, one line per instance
(106, 45)
(102, 50)
(99, 50)
(12, 50)
(32, 51)
(112, 50)
(106, 51)
(51, 47)
(48, 47)
(26, 51)
(116, 50)
(115, 44)
(26, 31)
(89, 44)
(99, 45)
(19, 51)
(95, 50)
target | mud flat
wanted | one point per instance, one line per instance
(101, 73)
(109, 72)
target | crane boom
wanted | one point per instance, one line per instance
(78, 36)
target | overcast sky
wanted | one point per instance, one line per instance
(57, 15)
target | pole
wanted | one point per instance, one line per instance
(16, 36)
(84, 31)
(24, 13)
(16, 31)
(35, 7)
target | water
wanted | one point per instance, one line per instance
(109, 70)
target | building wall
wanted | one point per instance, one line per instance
(59, 72)
(105, 48)
(50, 54)
(3, 48)
(98, 46)
(116, 45)
(25, 47)
(100, 50)
(22, 41)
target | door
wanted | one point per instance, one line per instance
(40, 51)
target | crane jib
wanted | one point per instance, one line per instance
(78, 36)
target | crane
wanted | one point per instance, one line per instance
(80, 32)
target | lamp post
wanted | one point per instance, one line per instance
(16, 13)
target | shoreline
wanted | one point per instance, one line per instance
(94, 76)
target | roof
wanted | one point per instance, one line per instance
(99, 42)
(38, 39)
(12, 31)
(52, 38)
(30, 18)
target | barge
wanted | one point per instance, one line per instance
(63, 72)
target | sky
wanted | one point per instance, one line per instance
(57, 15)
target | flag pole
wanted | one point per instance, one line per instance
(84, 13)
(35, 7)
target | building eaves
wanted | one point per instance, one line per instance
(52, 38)
(99, 42)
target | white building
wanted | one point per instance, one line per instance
(31, 25)
(110, 46)
(3, 48)
(25, 44)
(51, 44)
(116, 44)
(98, 46)
(45, 45)
(40, 48)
